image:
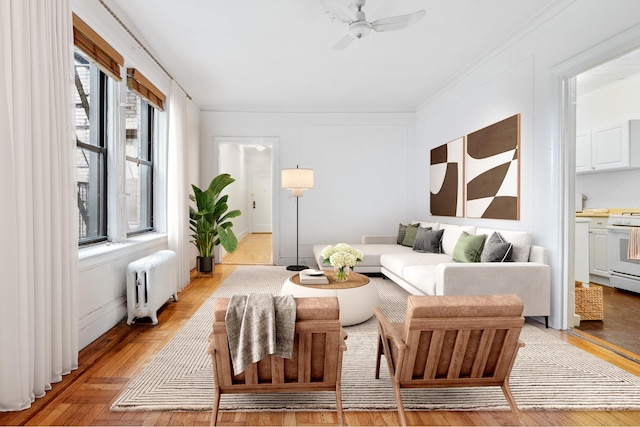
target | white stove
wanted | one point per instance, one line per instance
(624, 273)
(628, 219)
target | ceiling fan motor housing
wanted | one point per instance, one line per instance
(359, 29)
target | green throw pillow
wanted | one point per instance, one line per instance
(410, 235)
(469, 247)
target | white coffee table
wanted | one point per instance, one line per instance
(357, 296)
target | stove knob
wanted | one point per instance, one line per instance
(626, 222)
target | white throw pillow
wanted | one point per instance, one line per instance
(521, 241)
(452, 234)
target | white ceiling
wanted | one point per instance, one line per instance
(259, 55)
(609, 72)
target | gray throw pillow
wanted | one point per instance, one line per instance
(496, 249)
(428, 240)
(402, 231)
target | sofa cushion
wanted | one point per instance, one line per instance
(469, 247)
(521, 241)
(396, 262)
(410, 235)
(427, 224)
(452, 234)
(496, 249)
(422, 277)
(428, 240)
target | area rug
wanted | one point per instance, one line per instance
(549, 374)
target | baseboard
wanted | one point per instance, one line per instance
(96, 323)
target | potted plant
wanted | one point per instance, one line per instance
(210, 223)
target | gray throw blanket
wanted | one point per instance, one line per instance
(259, 325)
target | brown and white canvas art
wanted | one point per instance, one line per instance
(447, 179)
(492, 171)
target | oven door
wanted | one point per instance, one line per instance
(624, 272)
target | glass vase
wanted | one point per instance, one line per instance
(341, 274)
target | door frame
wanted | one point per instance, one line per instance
(274, 143)
(565, 74)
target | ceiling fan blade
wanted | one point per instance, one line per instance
(340, 9)
(343, 43)
(397, 22)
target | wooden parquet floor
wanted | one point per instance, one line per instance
(84, 396)
(621, 320)
(253, 249)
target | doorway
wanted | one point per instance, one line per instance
(596, 98)
(250, 161)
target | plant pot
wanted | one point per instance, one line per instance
(205, 264)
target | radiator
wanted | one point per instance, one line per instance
(151, 281)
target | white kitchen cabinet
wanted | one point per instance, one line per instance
(583, 151)
(598, 236)
(608, 148)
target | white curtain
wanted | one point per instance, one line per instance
(38, 217)
(178, 186)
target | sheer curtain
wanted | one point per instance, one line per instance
(178, 186)
(38, 253)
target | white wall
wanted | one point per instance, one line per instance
(609, 105)
(364, 173)
(523, 78)
(234, 162)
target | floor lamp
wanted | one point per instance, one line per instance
(297, 180)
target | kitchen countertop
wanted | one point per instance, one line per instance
(588, 213)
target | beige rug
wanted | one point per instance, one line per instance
(549, 374)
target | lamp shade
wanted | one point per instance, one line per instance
(297, 179)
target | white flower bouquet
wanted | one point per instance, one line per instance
(342, 257)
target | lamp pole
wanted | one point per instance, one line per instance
(297, 180)
(297, 267)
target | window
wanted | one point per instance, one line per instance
(91, 100)
(139, 164)
(115, 141)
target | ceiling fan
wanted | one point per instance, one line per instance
(350, 12)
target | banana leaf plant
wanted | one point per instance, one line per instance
(209, 221)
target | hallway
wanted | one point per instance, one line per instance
(253, 249)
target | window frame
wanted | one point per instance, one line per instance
(148, 138)
(99, 84)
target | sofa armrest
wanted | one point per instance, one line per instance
(531, 281)
(379, 239)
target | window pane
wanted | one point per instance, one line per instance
(90, 169)
(82, 95)
(138, 201)
(139, 125)
(90, 103)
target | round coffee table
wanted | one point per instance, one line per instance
(357, 296)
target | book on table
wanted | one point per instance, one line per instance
(313, 277)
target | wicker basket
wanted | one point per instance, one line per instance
(589, 302)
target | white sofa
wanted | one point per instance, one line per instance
(438, 274)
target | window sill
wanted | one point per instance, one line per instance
(103, 253)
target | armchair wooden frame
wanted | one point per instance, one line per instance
(467, 343)
(316, 364)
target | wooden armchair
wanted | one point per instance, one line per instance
(452, 341)
(316, 364)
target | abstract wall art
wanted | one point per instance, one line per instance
(492, 171)
(447, 179)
